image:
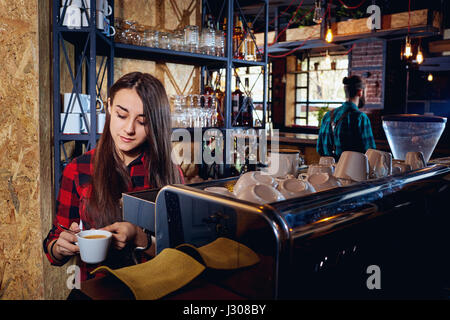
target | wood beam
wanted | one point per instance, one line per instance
(439, 46)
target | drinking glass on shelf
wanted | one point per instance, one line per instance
(129, 33)
(177, 112)
(208, 110)
(164, 40)
(150, 38)
(140, 30)
(177, 40)
(219, 43)
(191, 38)
(207, 41)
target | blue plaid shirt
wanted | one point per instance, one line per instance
(353, 133)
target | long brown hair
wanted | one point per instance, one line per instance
(110, 177)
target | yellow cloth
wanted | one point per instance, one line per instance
(168, 271)
(226, 254)
(172, 269)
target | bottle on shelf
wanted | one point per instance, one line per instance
(247, 108)
(236, 100)
(208, 37)
(238, 43)
(208, 89)
(220, 97)
(250, 46)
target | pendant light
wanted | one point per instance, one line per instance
(419, 57)
(408, 49)
(430, 77)
(329, 34)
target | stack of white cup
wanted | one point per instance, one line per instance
(76, 13)
(75, 117)
(104, 10)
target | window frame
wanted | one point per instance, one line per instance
(298, 103)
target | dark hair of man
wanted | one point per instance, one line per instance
(351, 86)
(110, 177)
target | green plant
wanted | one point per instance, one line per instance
(321, 113)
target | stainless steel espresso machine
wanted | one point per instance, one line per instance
(379, 239)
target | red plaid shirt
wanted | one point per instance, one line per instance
(74, 191)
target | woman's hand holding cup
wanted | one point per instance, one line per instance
(65, 245)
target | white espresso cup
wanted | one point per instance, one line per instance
(70, 123)
(94, 245)
(321, 181)
(100, 20)
(251, 178)
(399, 166)
(327, 161)
(352, 165)
(292, 188)
(71, 103)
(261, 194)
(101, 118)
(318, 168)
(81, 3)
(380, 163)
(72, 17)
(283, 162)
(415, 160)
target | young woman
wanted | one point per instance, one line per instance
(133, 154)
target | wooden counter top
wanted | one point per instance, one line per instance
(298, 138)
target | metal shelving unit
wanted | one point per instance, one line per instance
(89, 43)
(86, 75)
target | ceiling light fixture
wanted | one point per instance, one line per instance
(408, 49)
(419, 56)
(329, 34)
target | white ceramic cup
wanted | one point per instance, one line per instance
(100, 5)
(352, 165)
(261, 194)
(72, 17)
(93, 250)
(328, 161)
(283, 162)
(70, 123)
(108, 29)
(71, 103)
(85, 17)
(100, 20)
(251, 178)
(322, 181)
(292, 188)
(220, 190)
(317, 168)
(399, 166)
(80, 3)
(101, 118)
(107, 9)
(415, 160)
(380, 163)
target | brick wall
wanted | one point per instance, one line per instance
(367, 62)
